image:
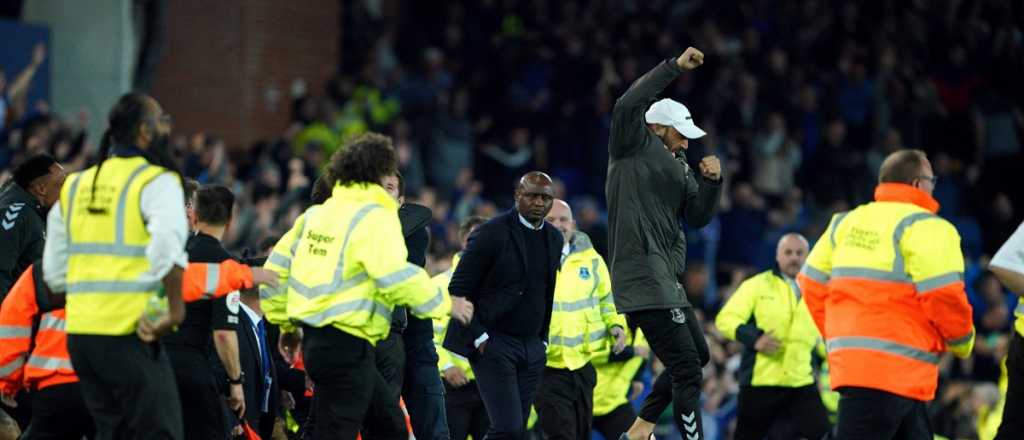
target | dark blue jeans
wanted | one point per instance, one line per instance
(423, 391)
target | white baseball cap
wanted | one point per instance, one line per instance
(673, 114)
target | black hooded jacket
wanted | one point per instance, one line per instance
(414, 219)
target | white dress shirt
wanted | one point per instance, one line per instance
(163, 210)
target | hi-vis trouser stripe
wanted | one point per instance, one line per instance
(117, 249)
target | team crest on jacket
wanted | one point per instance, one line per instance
(584, 273)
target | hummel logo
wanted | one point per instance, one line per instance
(7, 221)
(690, 424)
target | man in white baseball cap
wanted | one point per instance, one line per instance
(650, 188)
(667, 112)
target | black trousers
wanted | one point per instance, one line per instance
(389, 356)
(128, 387)
(344, 373)
(870, 414)
(615, 423)
(202, 406)
(466, 412)
(507, 374)
(1012, 426)
(59, 414)
(565, 403)
(761, 407)
(423, 390)
(675, 337)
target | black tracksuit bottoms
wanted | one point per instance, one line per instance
(675, 337)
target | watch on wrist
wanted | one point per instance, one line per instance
(239, 381)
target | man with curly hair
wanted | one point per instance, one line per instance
(343, 270)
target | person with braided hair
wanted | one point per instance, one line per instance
(116, 239)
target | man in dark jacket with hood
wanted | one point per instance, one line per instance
(650, 187)
(24, 201)
(422, 388)
(407, 359)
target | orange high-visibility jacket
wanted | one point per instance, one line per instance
(49, 363)
(884, 285)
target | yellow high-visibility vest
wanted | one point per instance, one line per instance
(107, 241)
(445, 358)
(769, 303)
(583, 311)
(343, 264)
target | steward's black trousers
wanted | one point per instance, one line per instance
(565, 403)
(346, 384)
(869, 414)
(128, 387)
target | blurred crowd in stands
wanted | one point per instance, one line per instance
(801, 100)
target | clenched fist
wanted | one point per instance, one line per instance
(711, 168)
(690, 59)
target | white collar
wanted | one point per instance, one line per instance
(253, 316)
(528, 224)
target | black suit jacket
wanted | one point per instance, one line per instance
(250, 359)
(492, 273)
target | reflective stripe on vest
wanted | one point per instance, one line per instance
(51, 322)
(15, 331)
(575, 306)
(576, 341)
(107, 285)
(898, 274)
(426, 307)
(12, 366)
(881, 345)
(48, 363)
(358, 305)
(212, 279)
(118, 248)
(337, 283)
